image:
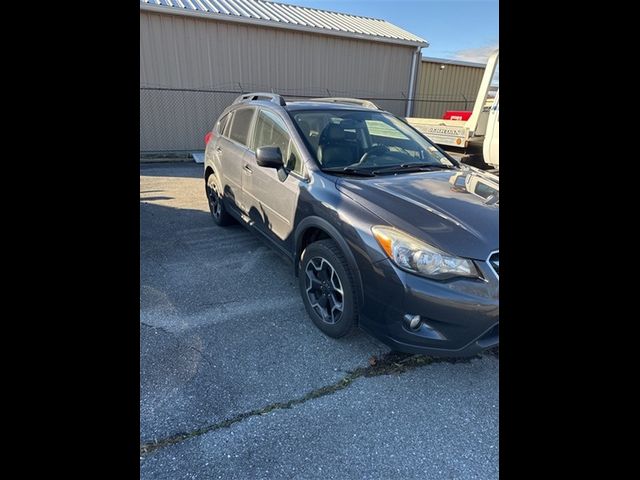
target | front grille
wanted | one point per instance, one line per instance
(495, 263)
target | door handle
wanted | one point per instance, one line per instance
(247, 169)
(219, 149)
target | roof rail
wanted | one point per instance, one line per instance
(355, 101)
(273, 97)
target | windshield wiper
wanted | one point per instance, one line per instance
(420, 167)
(350, 171)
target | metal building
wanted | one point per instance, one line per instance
(446, 85)
(193, 51)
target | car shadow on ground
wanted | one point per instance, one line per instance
(194, 272)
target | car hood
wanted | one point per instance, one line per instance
(454, 210)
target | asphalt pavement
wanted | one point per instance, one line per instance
(236, 382)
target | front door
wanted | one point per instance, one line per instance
(272, 196)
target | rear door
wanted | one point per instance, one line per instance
(272, 196)
(216, 141)
(231, 150)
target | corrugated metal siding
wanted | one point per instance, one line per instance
(440, 90)
(284, 15)
(192, 53)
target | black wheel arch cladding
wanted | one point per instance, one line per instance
(335, 235)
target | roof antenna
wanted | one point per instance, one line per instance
(241, 89)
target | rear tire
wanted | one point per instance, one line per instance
(216, 205)
(328, 289)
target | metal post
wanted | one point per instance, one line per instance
(412, 81)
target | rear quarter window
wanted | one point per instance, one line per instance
(227, 127)
(222, 124)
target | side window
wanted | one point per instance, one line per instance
(241, 124)
(271, 131)
(222, 123)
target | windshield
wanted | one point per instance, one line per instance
(373, 141)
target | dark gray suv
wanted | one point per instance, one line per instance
(385, 230)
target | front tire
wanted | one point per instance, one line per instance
(216, 205)
(328, 288)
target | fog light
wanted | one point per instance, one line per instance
(412, 321)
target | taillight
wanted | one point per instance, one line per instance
(207, 137)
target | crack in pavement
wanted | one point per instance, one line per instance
(390, 363)
(162, 329)
(202, 355)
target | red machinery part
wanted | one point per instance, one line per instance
(456, 115)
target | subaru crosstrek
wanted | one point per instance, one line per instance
(386, 231)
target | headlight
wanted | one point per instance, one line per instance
(421, 258)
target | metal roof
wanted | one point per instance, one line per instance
(282, 15)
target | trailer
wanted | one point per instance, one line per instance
(467, 136)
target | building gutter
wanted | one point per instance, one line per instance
(273, 24)
(449, 61)
(412, 81)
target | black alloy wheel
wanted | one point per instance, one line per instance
(216, 206)
(327, 288)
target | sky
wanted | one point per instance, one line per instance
(455, 29)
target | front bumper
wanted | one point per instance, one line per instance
(460, 317)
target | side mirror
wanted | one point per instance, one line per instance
(269, 157)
